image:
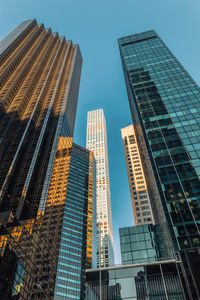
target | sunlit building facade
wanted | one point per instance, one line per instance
(39, 80)
(97, 142)
(69, 225)
(137, 183)
(165, 106)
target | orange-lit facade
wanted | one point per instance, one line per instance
(78, 234)
(47, 250)
(68, 230)
(39, 82)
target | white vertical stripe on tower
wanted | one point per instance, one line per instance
(97, 142)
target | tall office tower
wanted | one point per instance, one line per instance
(39, 80)
(137, 183)
(68, 233)
(165, 106)
(97, 142)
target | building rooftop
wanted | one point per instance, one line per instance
(137, 37)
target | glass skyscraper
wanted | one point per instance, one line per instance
(68, 232)
(39, 80)
(165, 106)
(97, 142)
(77, 250)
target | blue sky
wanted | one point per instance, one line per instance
(95, 26)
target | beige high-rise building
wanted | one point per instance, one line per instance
(139, 194)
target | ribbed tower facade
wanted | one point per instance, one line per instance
(97, 142)
(137, 183)
(39, 81)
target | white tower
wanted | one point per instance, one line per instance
(97, 142)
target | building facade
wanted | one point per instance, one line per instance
(162, 280)
(69, 224)
(39, 80)
(137, 183)
(165, 105)
(140, 244)
(68, 229)
(97, 142)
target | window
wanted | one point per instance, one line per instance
(145, 207)
(131, 139)
(147, 213)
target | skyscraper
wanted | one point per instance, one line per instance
(68, 230)
(97, 142)
(165, 105)
(137, 183)
(39, 80)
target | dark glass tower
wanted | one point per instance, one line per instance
(39, 81)
(165, 106)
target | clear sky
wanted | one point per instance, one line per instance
(95, 26)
